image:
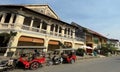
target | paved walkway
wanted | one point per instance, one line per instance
(89, 57)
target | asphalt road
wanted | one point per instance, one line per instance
(107, 64)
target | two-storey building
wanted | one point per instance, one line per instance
(90, 37)
(34, 25)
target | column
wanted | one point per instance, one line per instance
(31, 24)
(41, 23)
(46, 44)
(3, 18)
(58, 31)
(63, 31)
(19, 21)
(48, 28)
(13, 43)
(67, 33)
(73, 35)
(11, 20)
(54, 30)
(70, 33)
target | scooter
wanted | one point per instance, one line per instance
(6, 65)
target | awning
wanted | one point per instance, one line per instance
(86, 47)
(31, 39)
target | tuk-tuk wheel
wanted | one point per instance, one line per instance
(72, 61)
(34, 65)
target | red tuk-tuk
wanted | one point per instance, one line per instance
(29, 58)
(68, 55)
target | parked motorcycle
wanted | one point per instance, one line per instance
(6, 65)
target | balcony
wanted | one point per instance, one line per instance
(36, 30)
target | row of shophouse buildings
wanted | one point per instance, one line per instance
(39, 25)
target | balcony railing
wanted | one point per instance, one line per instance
(7, 25)
(79, 39)
(25, 27)
(35, 29)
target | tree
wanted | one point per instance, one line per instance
(108, 48)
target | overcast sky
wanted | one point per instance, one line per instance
(102, 16)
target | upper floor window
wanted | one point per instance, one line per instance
(7, 19)
(44, 25)
(65, 30)
(60, 30)
(1, 17)
(36, 22)
(14, 18)
(71, 32)
(68, 31)
(27, 21)
(56, 28)
(52, 27)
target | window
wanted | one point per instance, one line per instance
(14, 18)
(36, 22)
(44, 26)
(65, 30)
(60, 30)
(7, 19)
(27, 21)
(1, 17)
(56, 28)
(52, 27)
(71, 32)
(68, 31)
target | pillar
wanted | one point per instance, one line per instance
(19, 21)
(41, 23)
(48, 28)
(58, 30)
(46, 44)
(11, 20)
(31, 24)
(3, 18)
(63, 31)
(54, 30)
(73, 35)
(13, 43)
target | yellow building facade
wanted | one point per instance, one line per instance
(30, 27)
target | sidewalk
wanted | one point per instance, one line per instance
(89, 57)
(4, 58)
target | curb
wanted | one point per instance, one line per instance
(83, 58)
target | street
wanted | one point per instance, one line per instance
(106, 64)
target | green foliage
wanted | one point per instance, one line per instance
(80, 52)
(108, 48)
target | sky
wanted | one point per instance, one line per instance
(102, 16)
